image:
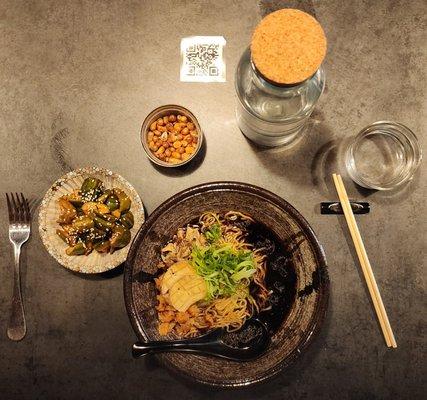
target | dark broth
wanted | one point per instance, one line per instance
(281, 277)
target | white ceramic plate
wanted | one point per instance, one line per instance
(49, 211)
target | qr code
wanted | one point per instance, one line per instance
(202, 59)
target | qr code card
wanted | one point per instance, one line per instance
(202, 59)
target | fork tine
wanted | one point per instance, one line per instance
(15, 209)
(10, 209)
(19, 208)
(26, 209)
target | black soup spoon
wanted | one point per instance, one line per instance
(247, 343)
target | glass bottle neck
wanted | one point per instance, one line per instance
(273, 88)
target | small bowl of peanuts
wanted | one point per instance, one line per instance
(171, 136)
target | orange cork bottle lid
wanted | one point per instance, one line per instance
(288, 46)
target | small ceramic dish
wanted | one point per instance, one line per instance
(160, 112)
(49, 211)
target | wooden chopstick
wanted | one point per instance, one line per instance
(361, 253)
(364, 263)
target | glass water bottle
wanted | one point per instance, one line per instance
(270, 114)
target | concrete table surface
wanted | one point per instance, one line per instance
(77, 79)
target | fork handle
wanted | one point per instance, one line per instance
(17, 327)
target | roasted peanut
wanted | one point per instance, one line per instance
(172, 138)
(169, 127)
(177, 127)
(160, 150)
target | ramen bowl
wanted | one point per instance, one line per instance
(303, 259)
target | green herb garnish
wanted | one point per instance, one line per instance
(222, 267)
(213, 234)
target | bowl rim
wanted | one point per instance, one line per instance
(88, 170)
(321, 306)
(150, 119)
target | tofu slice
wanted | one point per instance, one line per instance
(187, 291)
(174, 273)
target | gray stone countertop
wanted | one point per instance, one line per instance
(77, 79)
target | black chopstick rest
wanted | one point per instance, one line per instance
(334, 207)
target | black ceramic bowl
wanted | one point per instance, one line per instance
(303, 263)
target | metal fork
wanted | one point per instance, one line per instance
(19, 232)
